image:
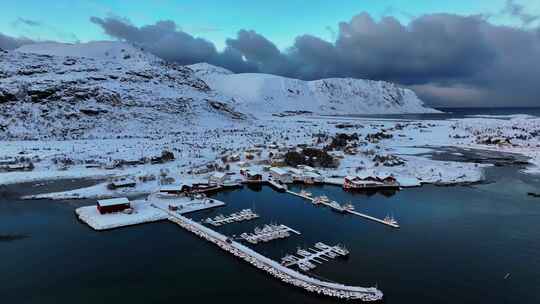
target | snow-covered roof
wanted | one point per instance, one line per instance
(365, 174)
(218, 175)
(311, 174)
(113, 201)
(296, 171)
(278, 171)
(307, 168)
(166, 188)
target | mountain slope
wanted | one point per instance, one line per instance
(263, 93)
(114, 90)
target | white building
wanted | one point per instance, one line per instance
(218, 178)
(281, 175)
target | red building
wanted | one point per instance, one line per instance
(113, 205)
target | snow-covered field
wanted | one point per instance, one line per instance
(267, 139)
(109, 110)
(143, 212)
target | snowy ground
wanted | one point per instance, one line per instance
(144, 211)
(199, 147)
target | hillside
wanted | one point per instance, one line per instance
(116, 90)
(269, 94)
(113, 90)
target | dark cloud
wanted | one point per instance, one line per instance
(10, 43)
(448, 59)
(163, 39)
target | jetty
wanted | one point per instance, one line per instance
(346, 208)
(306, 259)
(275, 269)
(279, 187)
(243, 215)
(268, 233)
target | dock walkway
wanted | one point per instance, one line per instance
(340, 209)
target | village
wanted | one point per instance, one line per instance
(138, 182)
(174, 201)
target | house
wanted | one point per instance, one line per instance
(123, 182)
(234, 158)
(281, 175)
(368, 179)
(312, 178)
(297, 175)
(218, 178)
(113, 205)
(306, 168)
(251, 176)
(356, 182)
(175, 189)
(17, 167)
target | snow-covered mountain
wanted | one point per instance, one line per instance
(269, 93)
(114, 89)
(111, 89)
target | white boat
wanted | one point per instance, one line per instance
(390, 220)
(348, 207)
(305, 193)
(324, 199)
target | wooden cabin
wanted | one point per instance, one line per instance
(281, 175)
(113, 205)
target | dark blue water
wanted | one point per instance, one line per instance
(456, 245)
(454, 113)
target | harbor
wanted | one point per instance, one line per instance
(275, 269)
(372, 261)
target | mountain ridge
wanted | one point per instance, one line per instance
(114, 89)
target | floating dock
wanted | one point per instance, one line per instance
(307, 258)
(388, 221)
(243, 215)
(274, 268)
(268, 233)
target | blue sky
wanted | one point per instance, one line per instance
(280, 21)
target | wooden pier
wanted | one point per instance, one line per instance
(388, 222)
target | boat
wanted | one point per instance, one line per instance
(348, 206)
(305, 193)
(336, 206)
(390, 220)
(533, 194)
(323, 199)
(341, 250)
